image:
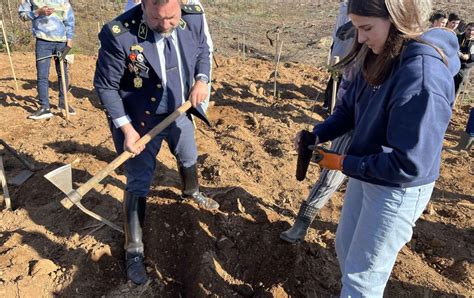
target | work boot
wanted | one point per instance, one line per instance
(465, 143)
(189, 178)
(134, 211)
(299, 229)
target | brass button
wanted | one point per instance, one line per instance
(153, 99)
(158, 86)
(147, 112)
(142, 124)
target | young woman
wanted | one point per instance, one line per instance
(399, 106)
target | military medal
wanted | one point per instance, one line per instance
(137, 82)
(137, 64)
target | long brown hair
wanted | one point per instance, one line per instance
(407, 23)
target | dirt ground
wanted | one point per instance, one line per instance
(246, 163)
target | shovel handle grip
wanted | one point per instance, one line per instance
(69, 201)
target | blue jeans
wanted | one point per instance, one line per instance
(140, 169)
(43, 49)
(376, 222)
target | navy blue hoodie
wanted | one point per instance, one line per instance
(399, 126)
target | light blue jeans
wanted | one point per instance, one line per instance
(376, 222)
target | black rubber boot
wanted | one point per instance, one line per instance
(189, 178)
(465, 144)
(304, 219)
(134, 211)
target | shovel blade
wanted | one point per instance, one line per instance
(61, 178)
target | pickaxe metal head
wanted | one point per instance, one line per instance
(62, 179)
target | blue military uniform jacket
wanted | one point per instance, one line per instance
(127, 36)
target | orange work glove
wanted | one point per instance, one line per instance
(328, 159)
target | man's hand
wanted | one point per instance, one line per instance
(69, 43)
(199, 93)
(44, 11)
(465, 57)
(131, 137)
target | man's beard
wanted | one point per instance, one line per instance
(167, 33)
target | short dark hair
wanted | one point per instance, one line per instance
(471, 24)
(453, 17)
(437, 15)
(156, 2)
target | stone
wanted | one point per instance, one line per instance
(43, 267)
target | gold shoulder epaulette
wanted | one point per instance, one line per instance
(192, 9)
(117, 27)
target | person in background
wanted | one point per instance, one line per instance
(339, 48)
(131, 3)
(453, 21)
(438, 19)
(398, 106)
(467, 137)
(53, 29)
(466, 55)
(329, 180)
(152, 59)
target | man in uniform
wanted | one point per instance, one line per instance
(153, 58)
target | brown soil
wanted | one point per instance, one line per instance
(246, 163)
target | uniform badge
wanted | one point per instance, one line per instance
(137, 47)
(143, 30)
(140, 58)
(116, 29)
(182, 24)
(137, 82)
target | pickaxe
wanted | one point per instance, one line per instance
(62, 177)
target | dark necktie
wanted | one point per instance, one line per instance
(173, 80)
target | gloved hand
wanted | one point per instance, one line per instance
(327, 159)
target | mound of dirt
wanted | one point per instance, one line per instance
(246, 163)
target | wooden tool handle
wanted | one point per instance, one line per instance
(81, 191)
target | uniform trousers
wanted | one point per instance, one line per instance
(180, 138)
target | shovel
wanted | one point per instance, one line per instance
(62, 177)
